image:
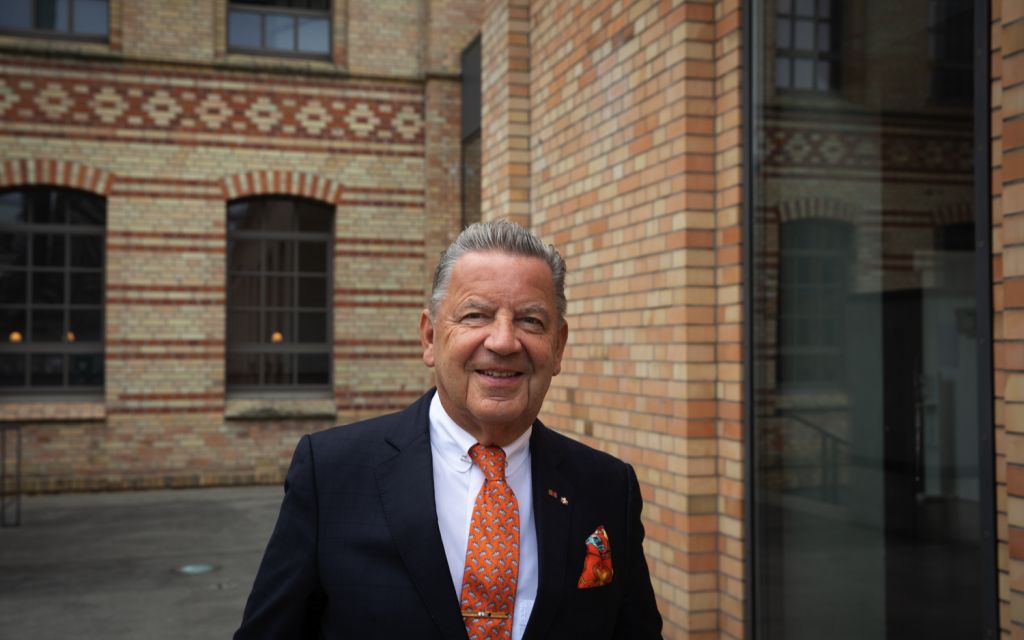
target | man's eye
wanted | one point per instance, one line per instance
(534, 322)
(469, 317)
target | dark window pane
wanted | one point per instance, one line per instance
(14, 249)
(47, 325)
(16, 15)
(242, 216)
(52, 15)
(48, 287)
(243, 369)
(48, 250)
(87, 251)
(312, 327)
(313, 35)
(12, 369)
(244, 255)
(277, 327)
(244, 29)
(86, 209)
(805, 7)
(43, 207)
(90, 17)
(312, 292)
(280, 292)
(277, 214)
(13, 328)
(803, 74)
(87, 325)
(47, 370)
(12, 206)
(12, 288)
(280, 255)
(277, 368)
(243, 326)
(85, 370)
(314, 216)
(313, 257)
(314, 368)
(86, 288)
(280, 32)
(244, 291)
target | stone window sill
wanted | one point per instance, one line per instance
(280, 409)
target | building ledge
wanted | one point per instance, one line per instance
(53, 409)
(280, 408)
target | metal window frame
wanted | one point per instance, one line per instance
(833, 55)
(37, 32)
(263, 11)
(27, 347)
(293, 349)
(984, 340)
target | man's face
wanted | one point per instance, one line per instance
(495, 343)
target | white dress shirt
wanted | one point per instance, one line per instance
(457, 481)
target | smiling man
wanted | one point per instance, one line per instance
(463, 516)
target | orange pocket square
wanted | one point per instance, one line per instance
(597, 566)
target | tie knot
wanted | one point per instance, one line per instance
(491, 460)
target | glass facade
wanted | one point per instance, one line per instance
(866, 482)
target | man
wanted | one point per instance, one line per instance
(463, 515)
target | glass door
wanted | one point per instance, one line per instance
(866, 482)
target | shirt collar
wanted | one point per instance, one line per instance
(452, 443)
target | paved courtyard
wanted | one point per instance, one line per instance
(106, 565)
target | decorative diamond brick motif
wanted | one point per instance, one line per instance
(362, 112)
(53, 101)
(362, 120)
(314, 117)
(7, 97)
(263, 114)
(162, 108)
(213, 112)
(108, 105)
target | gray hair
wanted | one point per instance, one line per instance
(504, 237)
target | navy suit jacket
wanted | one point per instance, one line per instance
(357, 553)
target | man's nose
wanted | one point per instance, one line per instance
(502, 338)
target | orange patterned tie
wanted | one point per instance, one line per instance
(492, 555)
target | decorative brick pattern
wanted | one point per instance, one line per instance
(171, 108)
(170, 127)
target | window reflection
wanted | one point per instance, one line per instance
(866, 486)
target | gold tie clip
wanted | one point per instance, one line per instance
(489, 615)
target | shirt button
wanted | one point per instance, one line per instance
(464, 458)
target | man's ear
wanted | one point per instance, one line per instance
(427, 338)
(562, 339)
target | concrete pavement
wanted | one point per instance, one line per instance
(106, 565)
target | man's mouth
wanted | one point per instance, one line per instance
(498, 374)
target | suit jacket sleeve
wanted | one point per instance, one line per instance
(286, 597)
(638, 616)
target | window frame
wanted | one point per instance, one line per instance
(832, 55)
(263, 11)
(36, 32)
(292, 350)
(68, 349)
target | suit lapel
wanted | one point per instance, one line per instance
(553, 519)
(406, 485)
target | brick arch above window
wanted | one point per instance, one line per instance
(288, 183)
(820, 209)
(56, 173)
(953, 213)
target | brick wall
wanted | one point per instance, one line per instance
(1007, 82)
(169, 146)
(627, 155)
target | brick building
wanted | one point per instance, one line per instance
(792, 230)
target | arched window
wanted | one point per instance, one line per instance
(51, 289)
(279, 294)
